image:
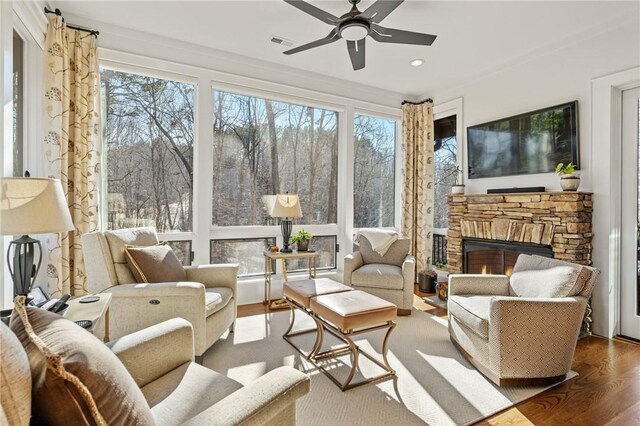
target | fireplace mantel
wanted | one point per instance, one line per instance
(559, 220)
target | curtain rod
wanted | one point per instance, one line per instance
(73, 27)
(417, 103)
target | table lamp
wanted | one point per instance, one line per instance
(284, 206)
(30, 206)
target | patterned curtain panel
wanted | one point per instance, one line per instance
(72, 140)
(418, 172)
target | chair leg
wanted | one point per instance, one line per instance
(198, 359)
(232, 327)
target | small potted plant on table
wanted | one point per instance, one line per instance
(569, 180)
(301, 239)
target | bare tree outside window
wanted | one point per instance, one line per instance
(374, 172)
(445, 168)
(149, 134)
(266, 147)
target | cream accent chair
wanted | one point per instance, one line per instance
(179, 391)
(521, 329)
(207, 300)
(390, 277)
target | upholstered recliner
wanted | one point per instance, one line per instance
(524, 328)
(390, 277)
(207, 300)
(177, 390)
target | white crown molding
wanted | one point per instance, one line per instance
(31, 13)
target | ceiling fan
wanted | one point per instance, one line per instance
(354, 26)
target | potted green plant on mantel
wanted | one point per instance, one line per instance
(301, 239)
(569, 179)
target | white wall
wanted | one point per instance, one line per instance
(562, 74)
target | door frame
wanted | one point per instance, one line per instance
(606, 145)
(629, 315)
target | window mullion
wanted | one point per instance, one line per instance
(345, 181)
(203, 171)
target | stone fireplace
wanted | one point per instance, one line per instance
(489, 231)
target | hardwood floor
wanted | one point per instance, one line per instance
(606, 391)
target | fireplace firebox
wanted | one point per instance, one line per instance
(491, 257)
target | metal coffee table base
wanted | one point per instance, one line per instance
(350, 347)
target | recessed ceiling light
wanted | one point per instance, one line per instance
(417, 62)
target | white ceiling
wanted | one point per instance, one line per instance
(474, 38)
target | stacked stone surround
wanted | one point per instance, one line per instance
(560, 220)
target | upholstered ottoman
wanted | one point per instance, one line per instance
(344, 313)
(301, 292)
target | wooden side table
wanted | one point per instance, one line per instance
(312, 258)
(94, 312)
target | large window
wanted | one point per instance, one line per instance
(18, 104)
(247, 252)
(266, 147)
(445, 167)
(374, 172)
(149, 136)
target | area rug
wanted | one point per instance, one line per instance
(435, 301)
(435, 385)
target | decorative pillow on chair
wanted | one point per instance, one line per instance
(77, 380)
(559, 281)
(154, 264)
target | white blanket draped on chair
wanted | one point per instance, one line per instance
(380, 239)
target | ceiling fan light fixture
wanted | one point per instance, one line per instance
(353, 31)
(417, 62)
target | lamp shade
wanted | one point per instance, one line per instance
(33, 206)
(283, 205)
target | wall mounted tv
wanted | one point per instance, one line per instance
(528, 143)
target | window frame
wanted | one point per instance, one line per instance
(163, 75)
(397, 167)
(207, 80)
(448, 109)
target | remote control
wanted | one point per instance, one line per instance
(60, 304)
(85, 323)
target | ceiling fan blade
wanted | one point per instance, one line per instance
(390, 35)
(356, 53)
(380, 10)
(333, 36)
(320, 14)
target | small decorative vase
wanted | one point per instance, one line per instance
(303, 245)
(570, 182)
(457, 189)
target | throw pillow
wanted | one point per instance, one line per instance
(15, 380)
(559, 281)
(154, 264)
(76, 378)
(539, 263)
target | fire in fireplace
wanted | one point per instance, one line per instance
(491, 257)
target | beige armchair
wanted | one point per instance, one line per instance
(521, 329)
(390, 277)
(177, 390)
(207, 300)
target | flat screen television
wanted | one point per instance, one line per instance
(533, 142)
